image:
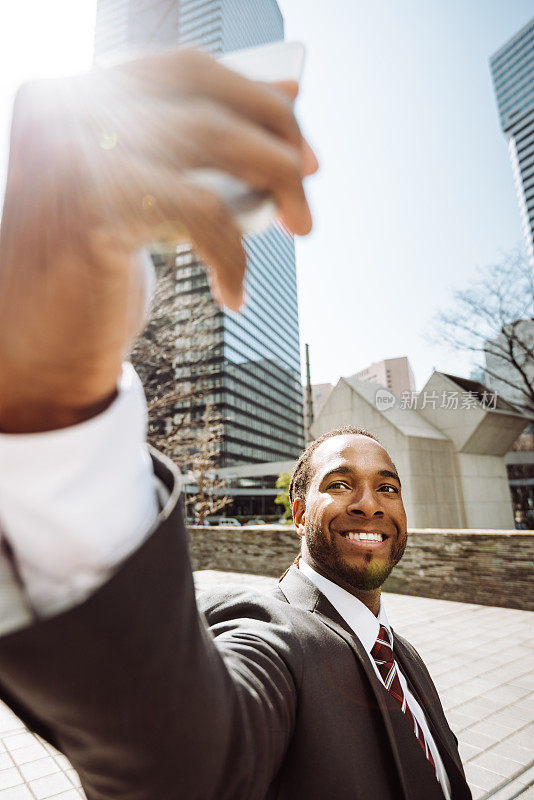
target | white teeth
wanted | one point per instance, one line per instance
(365, 537)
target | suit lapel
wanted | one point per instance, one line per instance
(301, 592)
(425, 694)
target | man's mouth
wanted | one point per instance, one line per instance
(364, 536)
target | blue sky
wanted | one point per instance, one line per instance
(415, 188)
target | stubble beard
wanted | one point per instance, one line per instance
(372, 572)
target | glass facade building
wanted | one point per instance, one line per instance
(252, 367)
(512, 68)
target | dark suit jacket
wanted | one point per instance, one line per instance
(276, 699)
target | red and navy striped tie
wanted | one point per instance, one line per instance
(382, 654)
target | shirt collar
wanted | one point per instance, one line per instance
(357, 616)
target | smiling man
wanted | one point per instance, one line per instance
(347, 507)
(365, 718)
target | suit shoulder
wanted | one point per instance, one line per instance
(251, 625)
(236, 601)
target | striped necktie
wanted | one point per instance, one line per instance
(382, 654)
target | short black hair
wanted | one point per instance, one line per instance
(300, 480)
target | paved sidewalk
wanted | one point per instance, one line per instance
(480, 658)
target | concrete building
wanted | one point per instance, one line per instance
(513, 79)
(448, 444)
(394, 374)
(253, 368)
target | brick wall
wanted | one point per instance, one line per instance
(486, 567)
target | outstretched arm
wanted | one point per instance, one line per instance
(129, 683)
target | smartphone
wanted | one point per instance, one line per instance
(253, 210)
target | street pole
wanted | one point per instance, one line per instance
(309, 400)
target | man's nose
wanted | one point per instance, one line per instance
(364, 503)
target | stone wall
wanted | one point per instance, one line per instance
(487, 567)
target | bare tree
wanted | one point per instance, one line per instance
(492, 318)
(171, 358)
(207, 499)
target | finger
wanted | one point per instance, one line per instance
(265, 162)
(218, 241)
(212, 136)
(310, 163)
(289, 88)
(194, 73)
(171, 210)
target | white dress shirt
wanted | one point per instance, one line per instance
(77, 501)
(366, 626)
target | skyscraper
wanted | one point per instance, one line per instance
(253, 369)
(512, 69)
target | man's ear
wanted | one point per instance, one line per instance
(299, 515)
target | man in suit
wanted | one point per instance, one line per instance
(103, 652)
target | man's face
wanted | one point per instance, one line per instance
(353, 519)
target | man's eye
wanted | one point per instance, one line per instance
(388, 487)
(337, 485)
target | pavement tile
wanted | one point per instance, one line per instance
(5, 761)
(10, 777)
(524, 737)
(510, 694)
(458, 721)
(481, 777)
(22, 739)
(494, 730)
(50, 785)
(479, 708)
(468, 751)
(446, 680)
(26, 754)
(502, 717)
(71, 794)
(455, 696)
(16, 793)
(477, 793)
(10, 724)
(513, 716)
(526, 702)
(39, 768)
(497, 763)
(524, 681)
(524, 755)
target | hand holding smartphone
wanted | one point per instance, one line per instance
(281, 61)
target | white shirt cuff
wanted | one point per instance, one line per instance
(75, 502)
